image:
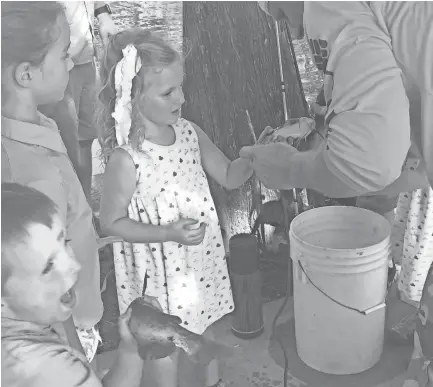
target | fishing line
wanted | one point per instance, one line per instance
(297, 193)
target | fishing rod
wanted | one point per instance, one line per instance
(300, 200)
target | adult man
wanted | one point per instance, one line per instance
(366, 82)
(377, 59)
(74, 114)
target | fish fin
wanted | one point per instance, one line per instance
(173, 319)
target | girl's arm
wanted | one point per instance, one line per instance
(119, 186)
(230, 174)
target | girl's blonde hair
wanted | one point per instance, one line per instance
(154, 53)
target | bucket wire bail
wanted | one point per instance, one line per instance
(363, 312)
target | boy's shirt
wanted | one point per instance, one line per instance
(35, 156)
(35, 356)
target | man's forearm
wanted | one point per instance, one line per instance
(309, 170)
(407, 182)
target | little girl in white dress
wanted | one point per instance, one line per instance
(156, 194)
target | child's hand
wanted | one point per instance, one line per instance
(127, 341)
(186, 232)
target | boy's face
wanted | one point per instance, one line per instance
(42, 275)
(51, 78)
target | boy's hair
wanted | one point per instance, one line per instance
(28, 30)
(154, 53)
(21, 207)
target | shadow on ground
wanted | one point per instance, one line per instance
(393, 361)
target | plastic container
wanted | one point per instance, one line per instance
(245, 277)
(340, 267)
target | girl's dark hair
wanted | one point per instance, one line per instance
(155, 54)
(29, 29)
(21, 207)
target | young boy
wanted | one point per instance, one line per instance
(39, 273)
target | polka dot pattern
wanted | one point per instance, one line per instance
(191, 282)
(412, 238)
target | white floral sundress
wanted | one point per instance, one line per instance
(191, 282)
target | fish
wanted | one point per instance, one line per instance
(159, 334)
(293, 131)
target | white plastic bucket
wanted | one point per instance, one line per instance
(340, 261)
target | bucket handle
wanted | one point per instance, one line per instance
(363, 312)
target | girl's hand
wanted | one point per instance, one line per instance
(186, 232)
(127, 341)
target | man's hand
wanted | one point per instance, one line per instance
(107, 27)
(271, 163)
(380, 204)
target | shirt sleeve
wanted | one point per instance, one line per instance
(44, 363)
(76, 15)
(404, 20)
(66, 370)
(368, 122)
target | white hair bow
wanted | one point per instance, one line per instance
(126, 70)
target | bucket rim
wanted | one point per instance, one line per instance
(385, 241)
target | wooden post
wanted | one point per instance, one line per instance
(232, 66)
